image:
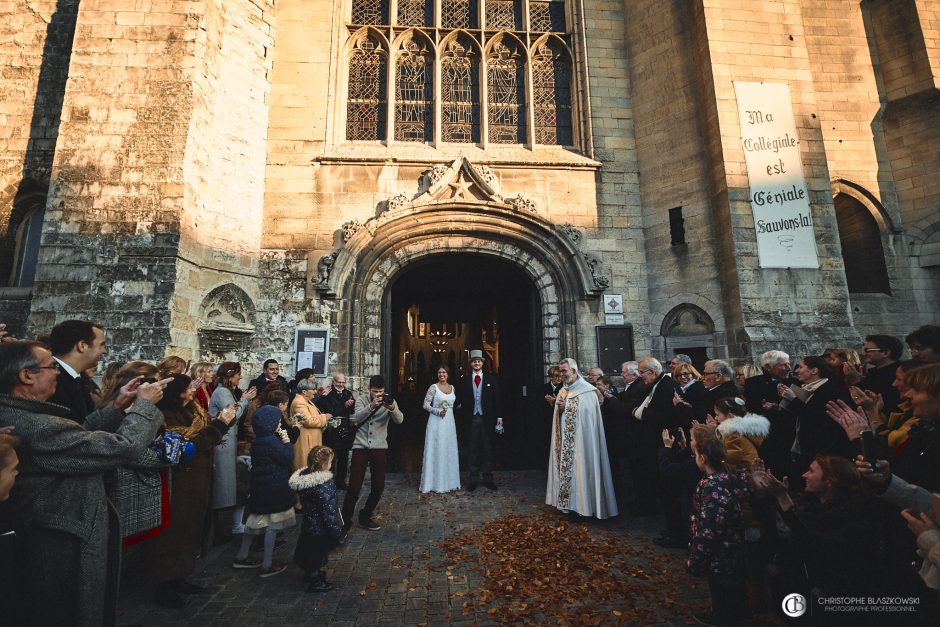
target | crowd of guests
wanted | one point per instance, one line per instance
(821, 479)
(158, 462)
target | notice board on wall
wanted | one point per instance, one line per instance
(312, 348)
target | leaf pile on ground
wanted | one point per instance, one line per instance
(544, 569)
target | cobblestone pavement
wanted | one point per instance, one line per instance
(398, 575)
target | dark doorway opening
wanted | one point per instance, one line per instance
(442, 308)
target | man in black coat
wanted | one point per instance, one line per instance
(337, 401)
(478, 399)
(882, 353)
(77, 345)
(762, 398)
(655, 413)
(718, 379)
(270, 372)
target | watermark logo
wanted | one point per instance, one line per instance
(794, 605)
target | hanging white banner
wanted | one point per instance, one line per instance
(779, 198)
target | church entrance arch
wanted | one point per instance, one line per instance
(441, 307)
(456, 220)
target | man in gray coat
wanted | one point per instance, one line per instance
(67, 531)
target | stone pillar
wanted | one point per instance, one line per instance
(156, 162)
(799, 309)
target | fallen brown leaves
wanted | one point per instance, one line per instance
(544, 569)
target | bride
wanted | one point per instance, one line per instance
(440, 471)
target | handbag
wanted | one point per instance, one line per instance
(340, 432)
(137, 496)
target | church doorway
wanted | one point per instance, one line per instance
(443, 306)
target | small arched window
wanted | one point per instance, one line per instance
(862, 252)
(19, 250)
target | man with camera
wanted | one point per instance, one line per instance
(370, 448)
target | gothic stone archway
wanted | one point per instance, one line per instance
(457, 209)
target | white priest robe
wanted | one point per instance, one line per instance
(579, 477)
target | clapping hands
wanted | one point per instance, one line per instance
(852, 421)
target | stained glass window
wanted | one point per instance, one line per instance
(506, 83)
(366, 107)
(551, 87)
(547, 17)
(503, 14)
(460, 91)
(414, 93)
(415, 12)
(459, 13)
(505, 110)
(370, 12)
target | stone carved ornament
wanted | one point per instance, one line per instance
(594, 262)
(522, 203)
(573, 233)
(324, 267)
(350, 228)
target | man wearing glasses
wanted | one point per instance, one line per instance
(64, 523)
(718, 379)
(882, 353)
(655, 413)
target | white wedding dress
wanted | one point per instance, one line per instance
(440, 471)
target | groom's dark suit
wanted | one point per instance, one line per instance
(481, 426)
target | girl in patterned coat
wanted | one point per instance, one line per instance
(718, 530)
(322, 523)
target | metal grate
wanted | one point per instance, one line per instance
(503, 15)
(545, 17)
(458, 13)
(370, 12)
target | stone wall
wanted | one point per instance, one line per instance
(801, 309)
(223, 167)
(673, 172)
(131, 171)
(35, 45)
(904, 34)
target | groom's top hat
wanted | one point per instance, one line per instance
(476, 354)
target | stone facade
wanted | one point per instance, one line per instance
(201, 199)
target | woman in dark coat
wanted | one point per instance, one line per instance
(171, 556)
(817, 433)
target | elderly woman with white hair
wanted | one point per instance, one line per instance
(311, 421)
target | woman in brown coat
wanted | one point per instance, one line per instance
(311, 421)
(171, 556)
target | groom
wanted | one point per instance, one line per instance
(478, 398)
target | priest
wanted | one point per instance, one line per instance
(579, 477)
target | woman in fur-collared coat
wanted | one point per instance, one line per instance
(741, 431)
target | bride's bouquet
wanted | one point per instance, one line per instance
(445, 405)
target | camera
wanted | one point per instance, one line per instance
(387, 399)
(149, 380)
